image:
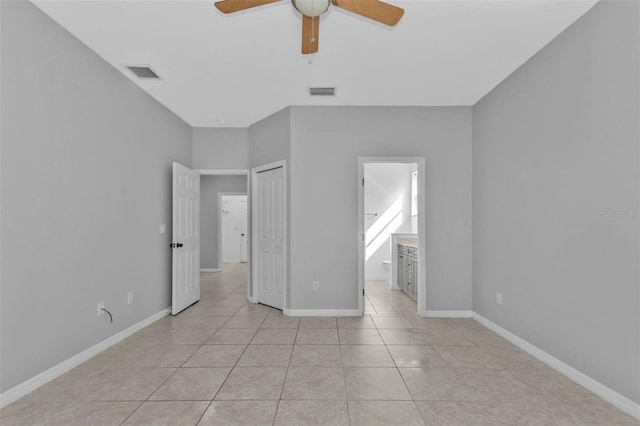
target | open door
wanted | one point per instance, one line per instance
(185, 246)
(269, 234)
(244, 232)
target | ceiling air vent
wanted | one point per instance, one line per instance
(143, 72)
(322, 91)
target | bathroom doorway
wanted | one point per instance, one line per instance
(391, 221)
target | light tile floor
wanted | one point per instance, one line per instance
(226, 362)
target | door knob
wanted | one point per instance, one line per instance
(174, 245)
(179, 245)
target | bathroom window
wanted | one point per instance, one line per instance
(414, 194)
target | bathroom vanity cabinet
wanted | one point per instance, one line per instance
(408, 270)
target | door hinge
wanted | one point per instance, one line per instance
(363, 291)
(362, 181)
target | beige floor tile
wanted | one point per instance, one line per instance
(439, 384)
(484, 338)
(314, 383)
(253, 383)
(446, 338)
(317, 336)
(316, 356)
(266, 356)
(468, 357)
(321, 322)
(275, 336)
(360, 336)
(143, 356)
(384, 413)
(244, 322)
(499, 385)
(402, 337)
(216, 356)
(219, 311)
(375, 384)
(465, 324)
(552, 384)
(63, 413)
(133, 384)
(189, 336)
(513, 358)
(457, 413)
(366, 356)
(416, 356)
(192, 384)
(251, 310)
(240, 413)
(364, 321)
(232, 336)
(391, 322)
(277, 320)
(169, 413)
(312, 413)
(208, 322)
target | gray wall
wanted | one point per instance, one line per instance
(210, 187)
(220, 148)
(270, 141)
(325, 145)
(86, 181)
(555, 146)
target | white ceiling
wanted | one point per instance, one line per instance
(245, 66)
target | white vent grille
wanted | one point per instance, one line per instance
(143, 72)
(322, 91)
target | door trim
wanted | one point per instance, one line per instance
(422, 283)
(254, 225)
(247, 174)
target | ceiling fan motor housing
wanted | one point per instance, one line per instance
(311, 8)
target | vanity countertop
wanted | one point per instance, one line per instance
(411, 242)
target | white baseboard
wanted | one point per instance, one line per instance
(606, 393)
(46, 376)
(449, 314)
(210, 269)
(321, 312)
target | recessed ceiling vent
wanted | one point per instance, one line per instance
(322, 91)
(143, 72)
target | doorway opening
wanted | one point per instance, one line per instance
(224, 217)
(391, 221)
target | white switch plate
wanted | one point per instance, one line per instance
(499, 298)
(130, 298)
(100, 306)
(316, 286)
(163, 228)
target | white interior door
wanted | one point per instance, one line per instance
(232, 209)
(186, 238)
(270, 235)
(244, 239)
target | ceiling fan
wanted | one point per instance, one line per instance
(312, 9)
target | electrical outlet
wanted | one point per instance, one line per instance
(100, 307)
(130, 298)
(316, 286)
(499, 298)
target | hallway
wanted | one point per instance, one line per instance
(226, 362)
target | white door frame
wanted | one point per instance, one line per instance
(220, 195)
(254, 225)
(234, 172)
(422, 282)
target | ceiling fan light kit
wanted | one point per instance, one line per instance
(312, 9)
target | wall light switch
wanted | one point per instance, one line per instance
(316, 286)
(130, 298)
(499, 298)
(163, 228)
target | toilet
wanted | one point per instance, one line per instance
(386, 264)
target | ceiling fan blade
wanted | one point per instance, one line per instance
(230, 6)
(310, 34)
(373, 9)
